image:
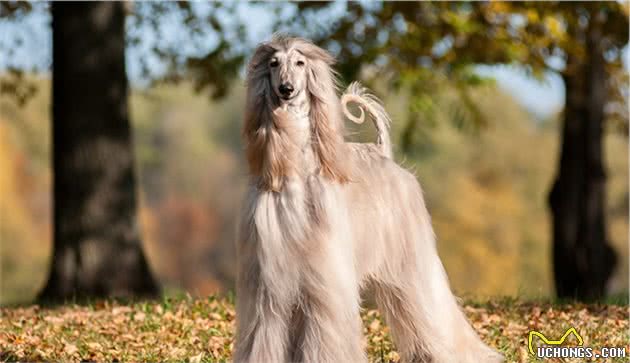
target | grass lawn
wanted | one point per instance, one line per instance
(201, 330)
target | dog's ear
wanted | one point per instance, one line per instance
(257, 120)
(268, 147)
(271, 154)
(326, 119)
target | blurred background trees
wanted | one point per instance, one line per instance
(409, 41)
(96, 239)
(485, 163)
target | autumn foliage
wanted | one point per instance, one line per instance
(485, 191)
(202, 330)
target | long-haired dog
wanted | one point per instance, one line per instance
(324, 218)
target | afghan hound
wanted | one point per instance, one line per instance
(324, 218)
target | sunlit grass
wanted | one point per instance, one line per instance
(193, 329)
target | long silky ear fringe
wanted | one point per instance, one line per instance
(270, 153)
(327, 121)
(267, 149)
(329, 146)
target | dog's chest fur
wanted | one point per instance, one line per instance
(283, 224)
(286, 216)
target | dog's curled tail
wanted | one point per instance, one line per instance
(366, 101)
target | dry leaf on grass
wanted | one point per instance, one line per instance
(203, 330)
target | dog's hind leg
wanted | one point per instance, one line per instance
(426, 321)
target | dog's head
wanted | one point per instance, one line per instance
(288, 67)
(288, 73)
(291, 70)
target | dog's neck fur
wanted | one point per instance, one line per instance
(299, 108)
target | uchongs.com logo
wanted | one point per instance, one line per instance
(557, 348)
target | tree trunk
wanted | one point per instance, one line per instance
(97, 249)
(583, 260)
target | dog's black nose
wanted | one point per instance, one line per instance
(285, 89)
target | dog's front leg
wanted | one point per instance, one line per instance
(331, 330)
(262, 320)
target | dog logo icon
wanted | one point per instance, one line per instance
(552, 342)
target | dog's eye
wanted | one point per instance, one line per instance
(274, 63)
(300, 63)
